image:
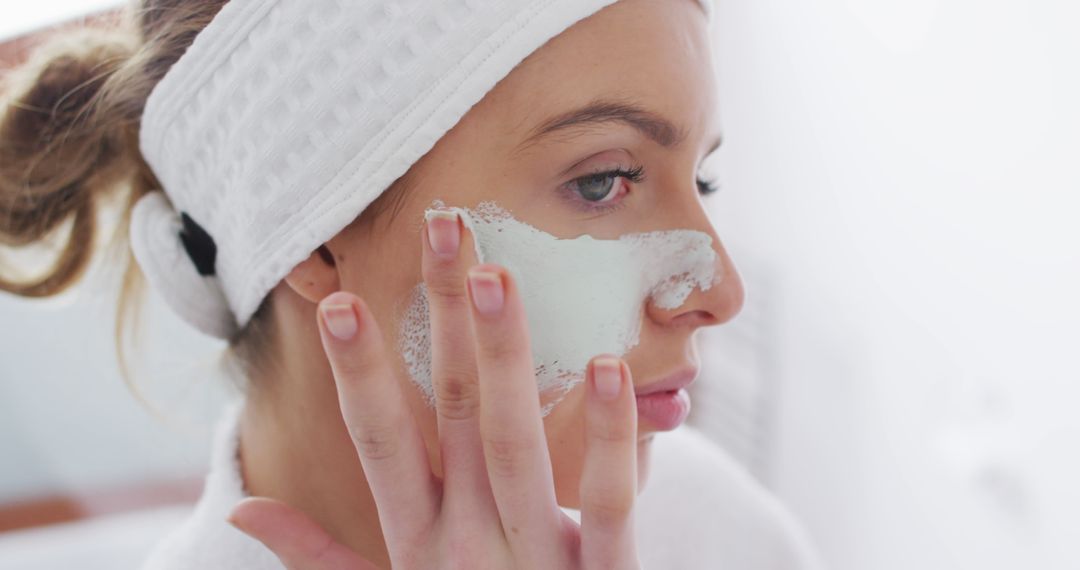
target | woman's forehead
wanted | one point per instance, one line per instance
(640, 59)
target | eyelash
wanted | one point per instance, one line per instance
(635, 175)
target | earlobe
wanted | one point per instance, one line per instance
(315, 277)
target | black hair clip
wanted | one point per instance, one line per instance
(199, 245)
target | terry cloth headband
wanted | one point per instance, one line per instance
(284, 119)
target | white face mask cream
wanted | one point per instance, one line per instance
(582, 296)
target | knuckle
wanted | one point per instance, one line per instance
(354, 365)
(608, 505)
(453, 302)
(349, 369)
(502, 348)
(506, 454)
(611, 431)
(457, 396)
(444, 281)
(375, 441)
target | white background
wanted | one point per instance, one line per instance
(900, 187)
(18, 17)
(902, 181)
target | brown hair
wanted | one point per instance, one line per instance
(69, 145)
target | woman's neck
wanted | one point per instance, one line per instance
(294, 447)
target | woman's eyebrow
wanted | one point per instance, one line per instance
(651, 124)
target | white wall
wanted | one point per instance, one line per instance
(19, 18)
(68, 422)
(901, 181)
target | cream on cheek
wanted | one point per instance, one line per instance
(582, 296)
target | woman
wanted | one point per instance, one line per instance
(299, 230)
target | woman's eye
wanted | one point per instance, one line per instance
(596, 188)
(599, 188)
(598, 192)
(706, 187)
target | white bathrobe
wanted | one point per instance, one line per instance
(699, 510)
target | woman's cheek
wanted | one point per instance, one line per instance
(582, 296)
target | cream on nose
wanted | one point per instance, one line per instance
(711, 306)
(718, 302)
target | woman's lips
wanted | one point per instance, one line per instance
(664, 410)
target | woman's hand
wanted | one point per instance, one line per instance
(495, 506)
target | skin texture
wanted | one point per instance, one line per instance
(295, 445)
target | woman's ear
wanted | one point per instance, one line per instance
(315, 277)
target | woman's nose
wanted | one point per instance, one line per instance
(716, 305)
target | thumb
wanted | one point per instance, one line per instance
(297, 540)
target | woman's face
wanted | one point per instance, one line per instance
(630, 87)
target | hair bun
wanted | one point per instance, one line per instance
(61, 142)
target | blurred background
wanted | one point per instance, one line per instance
(900, 187)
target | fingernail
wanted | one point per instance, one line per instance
(444, 235)
(607, 375)
(340, 319)
(487, 291)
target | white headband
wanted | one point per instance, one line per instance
(285, 119)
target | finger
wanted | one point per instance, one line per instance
(298, 541)
(609, 476)
(448, 252)
(378, 419)
(515, 450)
